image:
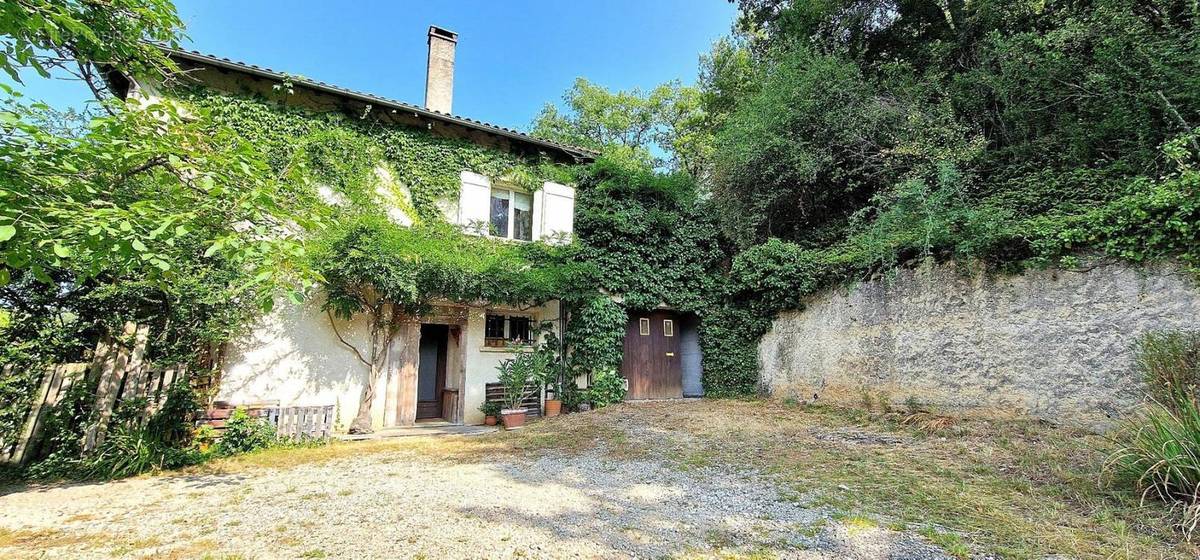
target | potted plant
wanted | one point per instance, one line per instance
(520, 376)
(553, 405)
(491, 411)
(548, 379)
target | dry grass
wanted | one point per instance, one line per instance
(1019, 489)
(1016, 489)
(42, 539)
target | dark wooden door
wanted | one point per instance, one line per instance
(431, 371)
(652, 361)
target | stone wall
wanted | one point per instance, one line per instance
(1055, 344)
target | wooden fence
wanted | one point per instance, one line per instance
(119, 373)
(290, 422)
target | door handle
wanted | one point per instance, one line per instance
(672, 354)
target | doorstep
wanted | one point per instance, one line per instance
(424, 429)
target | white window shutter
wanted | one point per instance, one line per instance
(474, 203)
(539, 210)
(558, 210)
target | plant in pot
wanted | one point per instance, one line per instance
(491, 412)
(520, 376)
(549, 378)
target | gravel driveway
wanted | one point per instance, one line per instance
(411, 502)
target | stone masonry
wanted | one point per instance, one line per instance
(1054, 344)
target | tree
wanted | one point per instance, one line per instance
(144, 210)
(662, 127)
(117, 196)
(1046, 108)
(86, 38)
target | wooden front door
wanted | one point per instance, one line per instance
(652, 361)
(431, 371)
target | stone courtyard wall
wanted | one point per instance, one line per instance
(1054, 344)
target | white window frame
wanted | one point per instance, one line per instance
(512, 213)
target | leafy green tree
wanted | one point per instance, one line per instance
(1040, 109)
(87, 39)
(142, 209)
(662, 127)
(125, 194)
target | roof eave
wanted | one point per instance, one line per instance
(579, 155)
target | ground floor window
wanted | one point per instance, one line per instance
(500, 330)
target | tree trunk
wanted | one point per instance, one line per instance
(362, 420)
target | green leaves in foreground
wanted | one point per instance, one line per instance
(132, 193)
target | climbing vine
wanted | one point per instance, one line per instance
(349, 153)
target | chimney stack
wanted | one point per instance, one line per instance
(439, 76)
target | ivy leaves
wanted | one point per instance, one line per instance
(346, 154)
(370, 261)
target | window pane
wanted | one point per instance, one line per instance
(522, 216)
(518, 328)
(499, 213)
(493, 326)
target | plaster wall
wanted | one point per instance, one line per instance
(292, 356)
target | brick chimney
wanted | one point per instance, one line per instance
(439, 77)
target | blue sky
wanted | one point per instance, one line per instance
(513, 55)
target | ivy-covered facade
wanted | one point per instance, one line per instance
(443, 242)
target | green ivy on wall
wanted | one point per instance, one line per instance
(342, 152)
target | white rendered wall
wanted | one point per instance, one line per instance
(293, 356)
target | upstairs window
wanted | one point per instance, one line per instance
(501, 330)
(511, 214)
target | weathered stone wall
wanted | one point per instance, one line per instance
(1055, 344)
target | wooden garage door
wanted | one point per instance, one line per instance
(652, 362)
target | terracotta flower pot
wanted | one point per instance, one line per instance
(513, 418)
(553, 407)
(489, 420)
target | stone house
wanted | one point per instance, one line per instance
(294, 357)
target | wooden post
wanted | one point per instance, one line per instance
(35, 412)
(402, 383)
(135, 371)
(109, 385)
(56, 381)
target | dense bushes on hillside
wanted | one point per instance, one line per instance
(1000, 130)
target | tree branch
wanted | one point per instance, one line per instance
(353, 348)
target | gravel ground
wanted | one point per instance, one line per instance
(404, 504)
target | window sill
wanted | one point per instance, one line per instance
(508, 239)
(507, 350)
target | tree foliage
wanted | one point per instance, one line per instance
(86, 38)
(836, 114)
(662, 127)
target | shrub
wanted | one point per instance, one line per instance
(1169, 363)
(1160, 457)
(1159, 452)
(607, 387)
(519, 375)
(244, 433)
(130, 451)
